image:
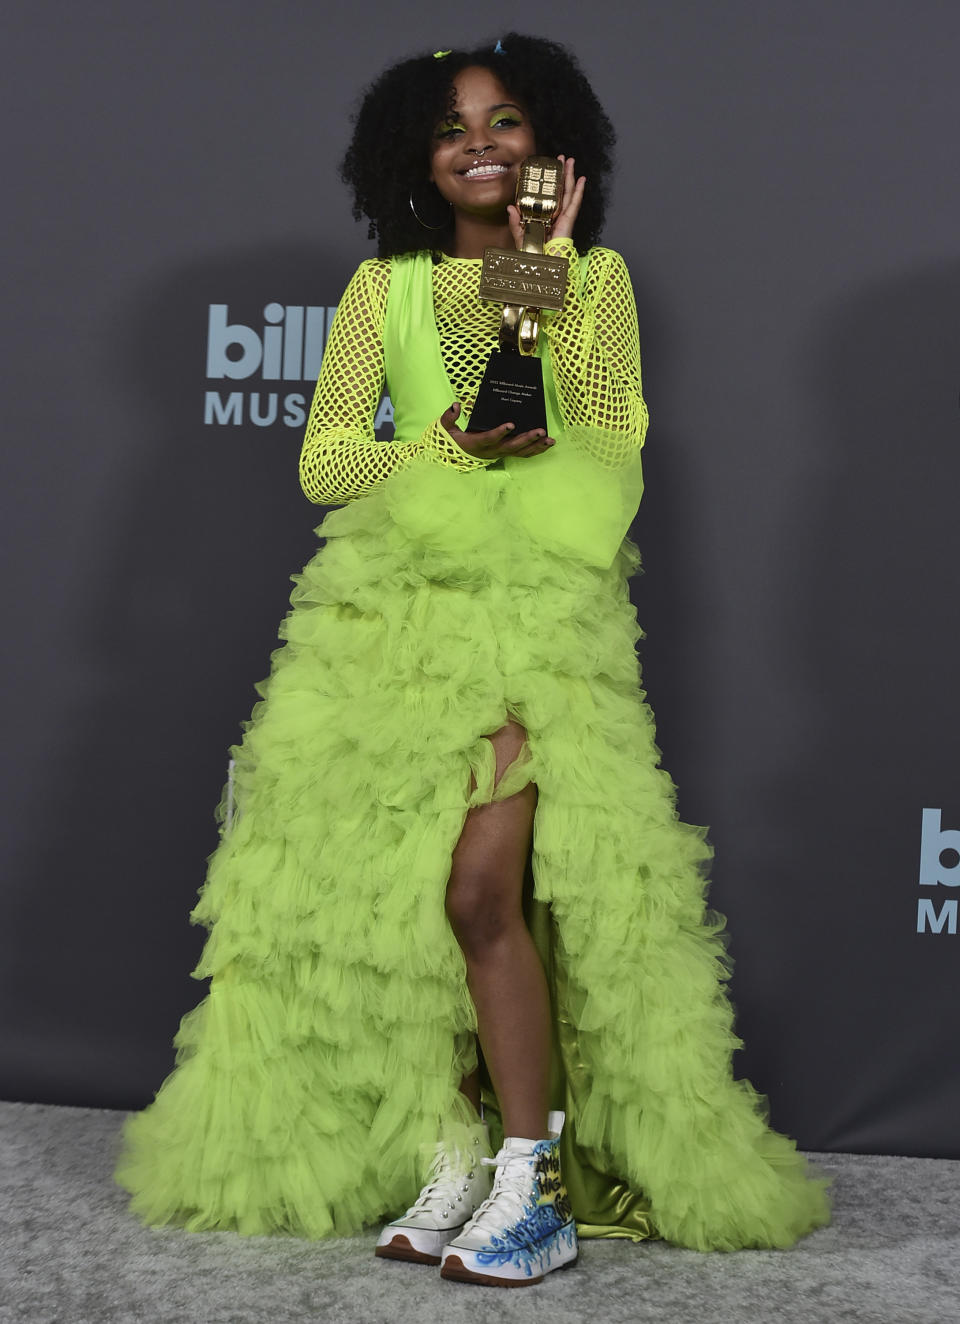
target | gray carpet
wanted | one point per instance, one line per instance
(73, 1255)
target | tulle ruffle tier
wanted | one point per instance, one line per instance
(314, 1076)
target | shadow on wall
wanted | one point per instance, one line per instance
(669, 592)
(870, 645)
(200, 548)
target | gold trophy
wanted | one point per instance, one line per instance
(524, 280)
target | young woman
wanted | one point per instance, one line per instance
(451, 825)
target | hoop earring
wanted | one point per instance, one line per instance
(443, 224)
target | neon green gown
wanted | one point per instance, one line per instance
(451, 594)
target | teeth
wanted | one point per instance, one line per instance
(488, 169)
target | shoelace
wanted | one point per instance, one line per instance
(446, 1182)
(511, 1188)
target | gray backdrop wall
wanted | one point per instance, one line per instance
(787, 200)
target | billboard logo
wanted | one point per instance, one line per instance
(939, 867)
(288, 348)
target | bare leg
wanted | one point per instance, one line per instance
(504, 974)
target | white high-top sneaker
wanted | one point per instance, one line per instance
(526, 1228)
(457, 1185)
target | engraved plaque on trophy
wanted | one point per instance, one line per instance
(524, 280)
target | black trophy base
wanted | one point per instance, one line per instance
(511, 392)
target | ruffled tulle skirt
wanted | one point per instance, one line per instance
(338, 1024)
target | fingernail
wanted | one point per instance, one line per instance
(509, 426)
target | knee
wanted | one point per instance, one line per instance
(478, 912)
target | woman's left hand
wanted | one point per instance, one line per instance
(562, 227)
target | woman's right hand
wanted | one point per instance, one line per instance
(498, 443)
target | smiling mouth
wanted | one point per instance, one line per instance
(484, 170)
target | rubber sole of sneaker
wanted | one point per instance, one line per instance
(399, 1248)
(454, 1268)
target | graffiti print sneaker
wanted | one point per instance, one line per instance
(457, 1185)
(526, 1228)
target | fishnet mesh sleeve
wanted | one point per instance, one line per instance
(341, 458)
(595, 352)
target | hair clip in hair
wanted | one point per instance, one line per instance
(438, 55)
(498, 49)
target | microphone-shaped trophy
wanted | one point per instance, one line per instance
(524, 281)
